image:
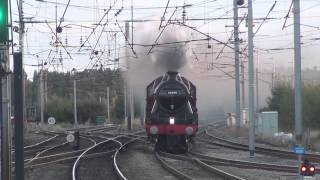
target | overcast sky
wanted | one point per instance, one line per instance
(272, 43)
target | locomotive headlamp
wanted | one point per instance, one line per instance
(154, 130)
(171, 120)
(189, 130)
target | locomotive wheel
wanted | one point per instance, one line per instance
(156, 147)
(185, 147)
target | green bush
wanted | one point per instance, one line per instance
(60, 108)
(91, 95)
(282, 100)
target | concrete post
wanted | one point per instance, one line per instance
(297, 79)
(236, 61)
(108, 103)
(251, 82)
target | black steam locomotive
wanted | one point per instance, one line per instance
(171, 114)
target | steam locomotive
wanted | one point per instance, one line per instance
(171, 120)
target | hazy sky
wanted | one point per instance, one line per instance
(272, 44)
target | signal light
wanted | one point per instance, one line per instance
(4, 33)
(307, 169)
(312, 169)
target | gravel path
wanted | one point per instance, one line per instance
(227, 153)
(251, 174)
(31, 138)
(51, 172)
(100, 168)
(191, 170)
(139, 163)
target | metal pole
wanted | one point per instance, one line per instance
(108, 103)
(132, 23)
(2, 149)
(257, 83)
(21, 47)
(273, 73)
(130, 86)
(243, 86)
(299, 166)
(21, 30)
(5, 139)
(243, 94)
(251, 81)
(257, 90)
(7, 125)
(297, 66)
(236, 61)
(41, 98)
(5, 146)
(131, 108)
(45, 90)
(75, 102)
(272, 80)
(125, 103)
(18, 116)
(128, 91)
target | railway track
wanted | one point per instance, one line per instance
(40, 155)
(245, 164)
(62, 150)
(39, 145)
(109, 146)
(263, 150)
(214, 173)
(44, 142)
(120, 174)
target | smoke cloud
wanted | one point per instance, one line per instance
(162, 57)
(215, 90)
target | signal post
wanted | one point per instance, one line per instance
(5, 98)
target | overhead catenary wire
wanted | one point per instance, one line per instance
(164, 13)
(208, 36)
(94, 29)
(143, 16)
(57, 40)
(156, 41)
(64, 12)
(287, 16)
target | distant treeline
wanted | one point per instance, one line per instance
(91, 95)
(282, 100)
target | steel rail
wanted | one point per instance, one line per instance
(217, 171)
(171, 169)
(39, 158)
(245, 164)
(44, 151)
(264, 150)
(203, 165)
(40, 143)
(68, 158)
(76, 163)
(115, 165)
